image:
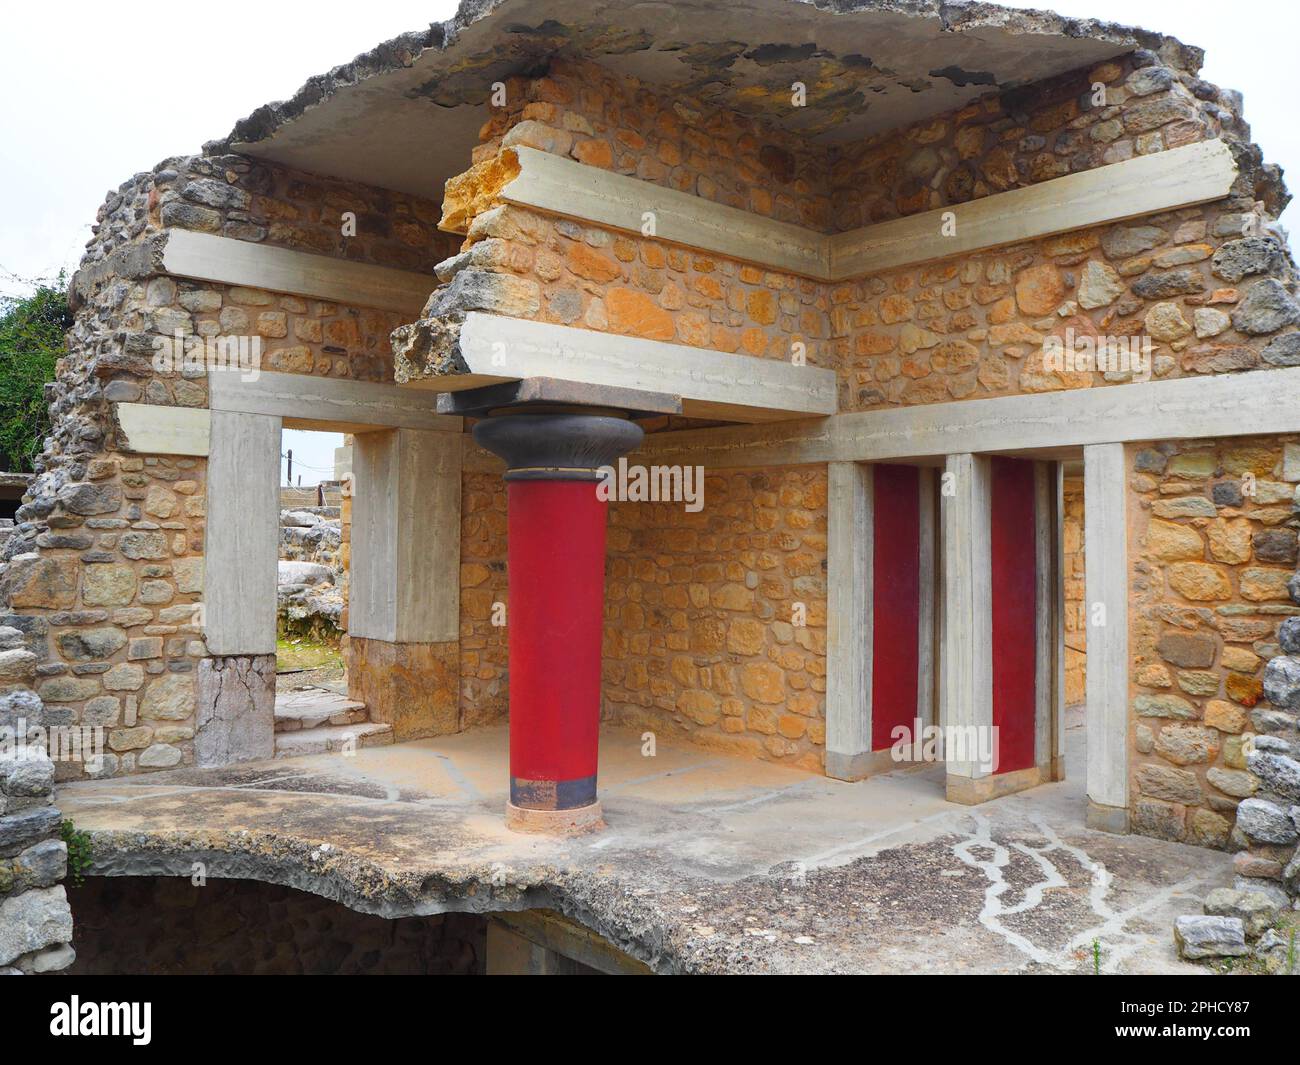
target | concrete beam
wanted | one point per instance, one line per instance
(340, 406)
(1148, 184)
(1246, 404)
(561, 186)
(1179, 177)
(207, 257)
(405, 582)
(149, 429)
(242, 539)
(712, 384)
(1105, 546)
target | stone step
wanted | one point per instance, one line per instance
(312, 707)
(324, 739)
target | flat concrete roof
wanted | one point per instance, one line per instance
(710, 863)
(406, 114)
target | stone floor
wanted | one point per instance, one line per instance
(709, 862)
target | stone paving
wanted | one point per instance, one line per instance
(709, 863)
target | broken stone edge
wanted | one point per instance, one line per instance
(634, 926)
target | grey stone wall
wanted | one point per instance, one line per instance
(35, 919)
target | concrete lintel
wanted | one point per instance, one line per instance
(341, 406)
(1245, 404)
(1148, 184)
(208, 257)
(492, 349)
(152, 429)
(477, 402)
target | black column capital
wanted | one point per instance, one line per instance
(557, 447)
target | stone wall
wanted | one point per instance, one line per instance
(1213, 544)
(35, 920)
(1134, 105)
(582, 110)
(700, 636)
(484, 651)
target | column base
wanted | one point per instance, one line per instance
(971, 791)
(555, 822)
(860, 766)
(1113, 819)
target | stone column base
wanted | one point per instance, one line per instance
(235, 710)
(1107, 818)
(415, 687)
(555, 822)
(971, 791)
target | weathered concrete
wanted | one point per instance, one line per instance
(699, 871)
(744, 54)
(236, 710)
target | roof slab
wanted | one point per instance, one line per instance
(405, 115)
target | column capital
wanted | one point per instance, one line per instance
(557, 447)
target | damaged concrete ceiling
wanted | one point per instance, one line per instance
(406, 115)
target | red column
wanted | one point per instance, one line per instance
(557, 594)
(556, 615)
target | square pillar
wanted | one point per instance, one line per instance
(404, 599)
(241, 547)
(850, 526)
(405, 580)
(966, 665)
(1105, 538)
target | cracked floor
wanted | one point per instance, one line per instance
(710, 862)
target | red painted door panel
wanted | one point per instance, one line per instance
(896, 601)
(1014, 566)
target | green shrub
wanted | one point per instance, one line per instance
(31, 341)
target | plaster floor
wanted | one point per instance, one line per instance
(709, 863)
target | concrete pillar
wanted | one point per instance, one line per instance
(965, 677)
(241, 546)
(405, 578)
(1105, 545)
(848, 620)
(556, 611)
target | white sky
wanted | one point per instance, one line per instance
(93, 92)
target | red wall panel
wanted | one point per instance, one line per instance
(1014, 564)
(896, 601)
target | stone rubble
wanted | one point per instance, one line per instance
(35, 918)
